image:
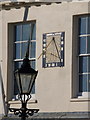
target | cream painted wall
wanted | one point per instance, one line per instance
(41, 0)
(1, 82)
(53, 85)
(3, 69)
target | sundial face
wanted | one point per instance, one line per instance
(53, 49)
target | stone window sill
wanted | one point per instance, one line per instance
(79, 99)
(19, 102)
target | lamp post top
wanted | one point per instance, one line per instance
(26, 67)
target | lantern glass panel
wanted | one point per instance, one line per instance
(18, 81)
(27, 81)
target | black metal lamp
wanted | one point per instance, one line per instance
(25, 77)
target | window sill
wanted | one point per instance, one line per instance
(19, 102)
(31, 101)
(83, 96)
(79, 99)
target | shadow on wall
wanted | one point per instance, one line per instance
(3, 108)
(26, 14)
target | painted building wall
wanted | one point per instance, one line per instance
(55, 88)
(41, 0)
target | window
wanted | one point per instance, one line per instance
(53, 49)
(24, 32)
(84, 54)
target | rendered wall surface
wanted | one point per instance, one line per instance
(53, 85)
(42, 0)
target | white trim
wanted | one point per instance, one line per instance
(19, 60)
(17, 97)
(84, 95)
(84, 35)
(17, 101)
(84, 73)
(84, 55)
(24, 41)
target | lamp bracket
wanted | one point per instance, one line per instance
(29, 112)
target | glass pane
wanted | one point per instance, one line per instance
(82, 25)
(17, 65)
(16, 85)
(24, 49)
(32, 84)
(16, 89)
(83, 83)
(26, 32)
(26, 80)
(33, 64)
(88, 44)
(18, 32)
(89, 83)
(33, 31)
(88, 25)
(17, 51)
(33, 50)
(33, 89)
(88, 64)
(82, 45)
(83, 66)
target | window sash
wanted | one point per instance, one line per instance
(84, 54)
(84, 81)
(21, 47)
(20, 42)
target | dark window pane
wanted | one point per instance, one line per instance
(33, 64)
(33, 33)
(18, 33)
(26, 32)
(82, 25)
(82, 45)
(89, 83)
(33, 89)
(83, 64)
(24, 49)
(88, 63)
(88, 44)
(33, 50)
(17, 51)
(88, 25)
(83, 83)
(16, 91)
(17, 65)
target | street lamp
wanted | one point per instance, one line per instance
(25, 77)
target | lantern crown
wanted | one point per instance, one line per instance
(26, 67)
